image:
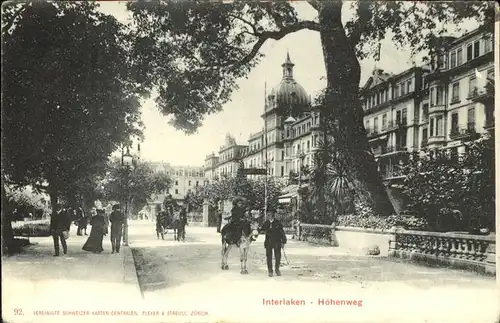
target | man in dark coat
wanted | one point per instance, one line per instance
(233, 228)
(60, 222)
(183, 219)
(275, 238)
(117, 219)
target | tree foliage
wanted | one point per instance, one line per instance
(437, 186)
(69, 94)
(135, 185)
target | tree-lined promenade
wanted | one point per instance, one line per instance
(74, 78)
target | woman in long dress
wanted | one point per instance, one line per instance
(94, 242)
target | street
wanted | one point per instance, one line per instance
(186, 277)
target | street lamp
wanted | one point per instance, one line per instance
(127, 162)
(301, 157)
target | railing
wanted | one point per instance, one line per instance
(461, 132)
(455, 249)
(436, 108)
(396, 148)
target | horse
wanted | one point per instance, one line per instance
(249, 233)
(176, 225)
(161, 224)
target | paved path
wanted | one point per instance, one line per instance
(79, 281)
(187, 277)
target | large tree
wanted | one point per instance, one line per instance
(133, 185)
(69, 95)
(194, 53)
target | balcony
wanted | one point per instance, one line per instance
(484, 95)
(391, 149)
(394, 125)
(437, 139)
(461, 133)
(438, 108)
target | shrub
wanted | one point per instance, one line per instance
(32, 229)
(409, 222)
(316, 232)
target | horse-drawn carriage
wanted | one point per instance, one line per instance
(166, 221)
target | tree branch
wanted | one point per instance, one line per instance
(364, 16)
(314, 3)
(254, 28)
(276, 35)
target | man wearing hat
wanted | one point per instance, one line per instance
(275, 238)
(234, 225)
(117, 220)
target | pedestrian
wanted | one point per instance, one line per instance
(117, 220)
(275, 239)
(183, 219)
(81, 221)
(60, 223)
(94, 242)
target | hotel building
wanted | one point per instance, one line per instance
(435, 106)
(291, 132)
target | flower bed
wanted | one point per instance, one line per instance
(409, 222)
(31, 229)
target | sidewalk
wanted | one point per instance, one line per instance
(78, 281)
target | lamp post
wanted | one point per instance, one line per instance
(301, 158)
(127, 160)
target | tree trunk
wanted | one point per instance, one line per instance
(54, 198)
(344, 112)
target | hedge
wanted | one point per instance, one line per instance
(409, 222)
(31, 229)
(322, 233)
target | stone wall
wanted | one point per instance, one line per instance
(457, 250)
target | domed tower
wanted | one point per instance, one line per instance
(288, 97)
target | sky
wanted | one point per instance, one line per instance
(241, 116)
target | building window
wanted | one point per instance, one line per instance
(396, 91)
(431, 126)
(443, 62)
(439, 126)
(197, 183)
(453, 59)
(176, 191)
(384, 121)
(459, 57)
(189, 183)
(472, 85)
(408, 84)
(469, 52)
(433, 99)
(282, 171)
(440, 96)
(454, 123)
(488, 44)
(403, 118)
(425, 111)
(455, 93)
(176, 183)
(476, 49)
(403, 89)
(375, 125)
(471, 119)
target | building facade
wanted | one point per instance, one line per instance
(435, 106)
(284, 144)
(184, 179)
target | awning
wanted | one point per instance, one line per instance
(284, 200)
